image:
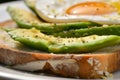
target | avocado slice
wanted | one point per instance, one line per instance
(35, 39)
(103, 30)
(26, 19)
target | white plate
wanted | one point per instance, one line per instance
(14, 74)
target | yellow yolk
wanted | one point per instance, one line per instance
(116, 5)
(90, 8)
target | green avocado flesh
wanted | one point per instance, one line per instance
(78, 37)
(108, 30)
(26, 19)
(35, 39)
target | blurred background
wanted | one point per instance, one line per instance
(1, 1)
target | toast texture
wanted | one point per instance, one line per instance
(86, 65)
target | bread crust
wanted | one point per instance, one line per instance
(89, 65)
(8, 24)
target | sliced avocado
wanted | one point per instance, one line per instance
(26, 19)
(107, 30)
(35, 39)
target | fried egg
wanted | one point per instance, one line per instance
(99, 11)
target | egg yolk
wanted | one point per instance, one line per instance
(90, 8)
(116, 5)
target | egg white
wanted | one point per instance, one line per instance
(54, 11)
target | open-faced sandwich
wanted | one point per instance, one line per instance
(70, 38)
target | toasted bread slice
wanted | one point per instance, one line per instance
(86, 65)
